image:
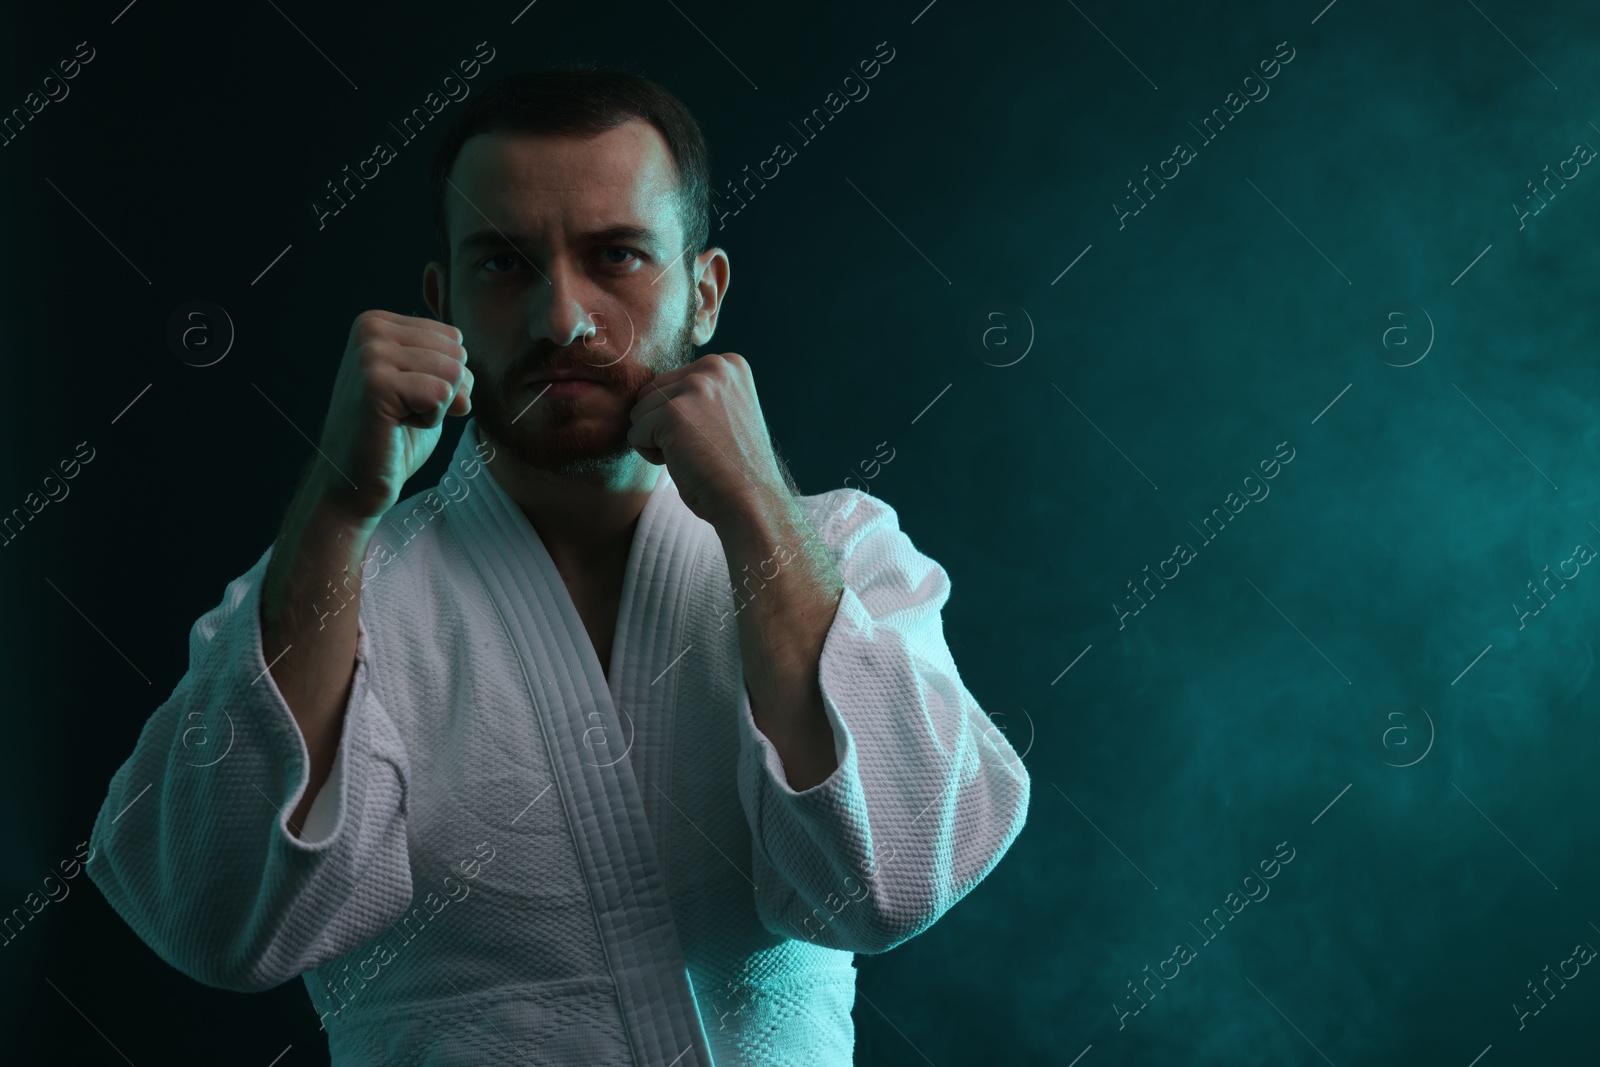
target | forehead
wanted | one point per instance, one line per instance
(551, 187)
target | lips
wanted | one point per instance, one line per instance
(563, 376)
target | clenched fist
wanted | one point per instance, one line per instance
(399, 378)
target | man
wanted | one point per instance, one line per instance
(615, 756)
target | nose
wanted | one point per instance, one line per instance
(559, 313)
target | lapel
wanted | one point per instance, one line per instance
(590, 744)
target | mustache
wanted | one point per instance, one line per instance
(606, 362)
(555, 360)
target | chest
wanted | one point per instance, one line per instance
(493, 704)
(598, 600)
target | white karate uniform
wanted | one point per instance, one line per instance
(517, 860)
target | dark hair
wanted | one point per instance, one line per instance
(582, 101)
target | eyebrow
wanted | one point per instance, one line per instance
(491, 238)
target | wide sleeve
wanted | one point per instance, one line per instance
(192, 846)
(928, 794)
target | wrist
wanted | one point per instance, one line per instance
(757, 516)
(325, 498)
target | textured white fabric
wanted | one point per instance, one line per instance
(517, 860)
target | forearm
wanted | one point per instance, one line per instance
(310, 602)
(787, 591)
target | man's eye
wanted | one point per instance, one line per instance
(492, 259)
(618, 248)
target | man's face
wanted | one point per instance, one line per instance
(536, 284)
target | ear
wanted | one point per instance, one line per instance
(711, 284)
(436, 290)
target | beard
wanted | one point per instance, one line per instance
(562, 435)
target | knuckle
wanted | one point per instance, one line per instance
(370, 324)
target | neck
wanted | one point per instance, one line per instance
(585, 521)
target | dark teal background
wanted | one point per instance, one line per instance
(1359, 616)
